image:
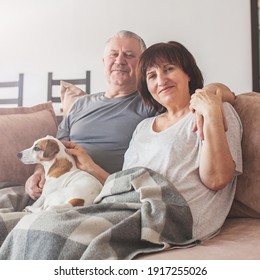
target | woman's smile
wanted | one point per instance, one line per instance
(165, 89)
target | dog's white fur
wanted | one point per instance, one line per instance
(66, 185)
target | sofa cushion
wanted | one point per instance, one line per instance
(247, 198)
(19, 128)
(237, 240)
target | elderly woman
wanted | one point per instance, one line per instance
(205, 171)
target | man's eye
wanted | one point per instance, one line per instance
(129, 55)
(36, 149)
(113, 55)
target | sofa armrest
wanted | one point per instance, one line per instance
(247, 198)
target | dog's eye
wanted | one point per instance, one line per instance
(36, 149)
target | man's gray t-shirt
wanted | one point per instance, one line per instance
(104, 126)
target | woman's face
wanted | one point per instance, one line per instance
(168, 84)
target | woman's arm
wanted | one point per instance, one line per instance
(216, 164)
(85, 162)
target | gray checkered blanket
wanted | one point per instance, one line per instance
(138, 211)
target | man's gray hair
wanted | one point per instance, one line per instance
(129, 34)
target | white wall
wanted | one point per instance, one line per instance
(67, 37)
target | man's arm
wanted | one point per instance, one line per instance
(226, 93)
(35, 182)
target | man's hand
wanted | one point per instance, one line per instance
(35, 183)
(226, 94)
(69, 93)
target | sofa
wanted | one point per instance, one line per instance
(239, 237)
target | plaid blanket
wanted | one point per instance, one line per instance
(13, 200)
(138, 211)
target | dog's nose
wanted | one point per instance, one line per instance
(19, 155)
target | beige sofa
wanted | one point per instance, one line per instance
(240, 235)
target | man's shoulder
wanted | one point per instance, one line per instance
(146, 110)
(88, 98)
(92, 96)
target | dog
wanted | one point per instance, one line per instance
(65, 185)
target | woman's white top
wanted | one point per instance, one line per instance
(175, 154)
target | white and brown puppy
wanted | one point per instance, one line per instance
(66, 185)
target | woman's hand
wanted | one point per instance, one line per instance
(199, 119)
(204, 102)
(85, 162)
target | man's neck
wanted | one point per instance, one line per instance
(114, 92)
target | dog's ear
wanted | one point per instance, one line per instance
(51, 149)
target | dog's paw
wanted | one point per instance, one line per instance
(32, 209)
(27, 209)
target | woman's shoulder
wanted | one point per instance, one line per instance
(146, 121)
(232, 117)
(145, 124)
(229, 110)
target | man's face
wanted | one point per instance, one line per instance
(120, 59)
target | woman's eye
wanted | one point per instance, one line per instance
(150, 76)
(169, 69)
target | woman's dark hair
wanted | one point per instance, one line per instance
(173, 53)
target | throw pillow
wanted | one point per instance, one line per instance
(19, 128)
